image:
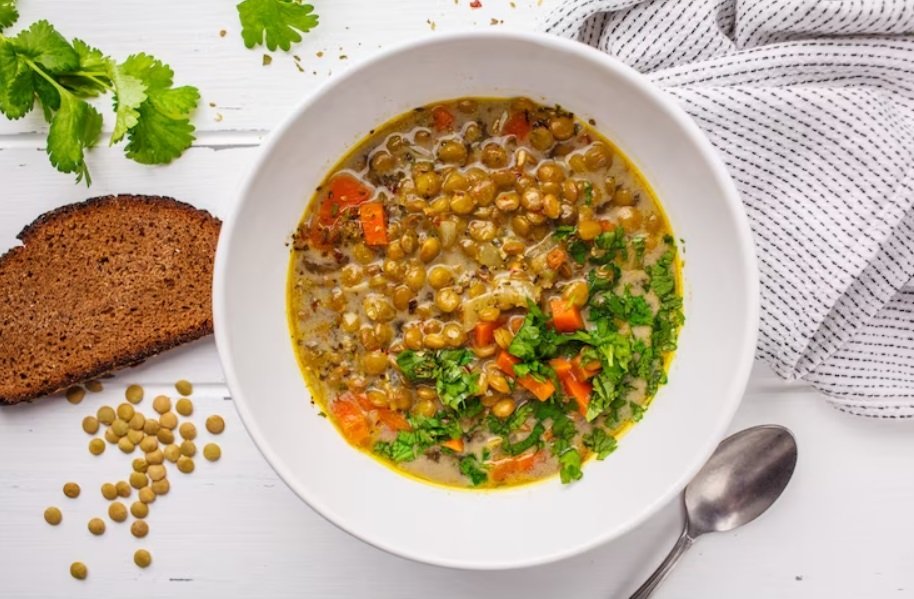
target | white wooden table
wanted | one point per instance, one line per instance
(842, 529)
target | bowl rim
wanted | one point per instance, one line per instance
(743, 232)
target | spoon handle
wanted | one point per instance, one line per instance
(647, 589)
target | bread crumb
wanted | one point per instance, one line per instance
(267, 60)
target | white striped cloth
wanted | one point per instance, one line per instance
(811, 104)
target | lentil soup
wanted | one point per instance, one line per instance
(484, 292)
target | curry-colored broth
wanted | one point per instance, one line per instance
(475, 194)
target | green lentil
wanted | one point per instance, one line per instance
(117, 511)
(184, 387)
(161, 404)
(106, 414)
(185, 464)
(125, 412)
(184, 407)
(139, 529)
(215, 424)
(137, 422)
(188, 431)
(75, 394)
(71, 490)
(165, 436)
(53, 516)
(123, 488)
(189, 449)
(90, 424)
(135, 436)
(142, 558)
(147, 495)
(96, 446)
(97, 526)
(212, 452)
(78, 570)
(149, 443)
(138, 480)
(156, 472)
(94, 386)
(172, 453)
(139, 509)
(168, 420)
(140, 465)
(134, 394)
(160, 487)
(125, 445)
(151, 427)
(120, 427)
(109, 491)
(155, 457)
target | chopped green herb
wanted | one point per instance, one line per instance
(600, 442)
(447, 368)
(570, 466)
(472, 469)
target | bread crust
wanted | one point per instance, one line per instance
(68, 375)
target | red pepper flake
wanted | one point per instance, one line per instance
(476, 4)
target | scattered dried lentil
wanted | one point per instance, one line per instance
(184, 407)
(139, 529)
(117, 511)
(53, 516)
(75, 394)
(90, 424)
(212, 452)
(161, 404)
(184, 387)
(71, 490)
(78, 570)
(188, 431)
(142, 558)
(96, 446)
(109, 491)
(97, 526)
(215, 424)
(134, 394)
(139, 509)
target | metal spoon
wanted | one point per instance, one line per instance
(746, 474)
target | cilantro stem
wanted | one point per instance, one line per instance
(47, 77)
(94, 77)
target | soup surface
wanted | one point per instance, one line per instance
(484, 292)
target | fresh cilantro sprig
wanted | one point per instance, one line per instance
(276, 23)
(39, 66)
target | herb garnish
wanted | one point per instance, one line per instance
(40, 65)
(447, 368)
(276, 23)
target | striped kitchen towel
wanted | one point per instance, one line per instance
(811, 105)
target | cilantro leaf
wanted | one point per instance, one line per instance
(75, 127)
(600, 442)
(92, 62)
(663, 276)
(633, 309)
(8, 13)
(275, 22)
(17, 88)
(472, 469)
(130, 93)
(570, 466)
(531, 440)
(42, 44)
(424, 433)
(163, 129)
(563, 231)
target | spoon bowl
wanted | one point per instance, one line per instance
(746, 474)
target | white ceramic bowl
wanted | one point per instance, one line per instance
(530, 524)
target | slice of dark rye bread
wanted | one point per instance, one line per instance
(100, 285)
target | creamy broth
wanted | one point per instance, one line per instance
(484, 292)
